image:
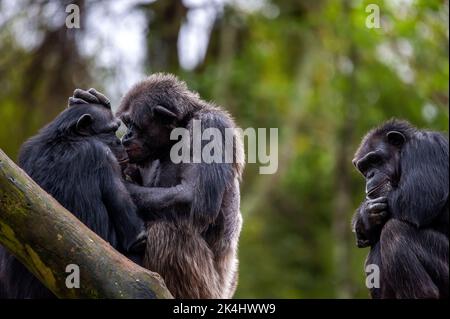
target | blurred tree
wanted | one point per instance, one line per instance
(164, 22)
(37, 79)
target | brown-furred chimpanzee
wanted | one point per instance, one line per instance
(75, 158)
(405, 216)
(193, 209)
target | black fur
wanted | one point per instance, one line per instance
(77, 165)
(408, 173)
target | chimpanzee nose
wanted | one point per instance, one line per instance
(126, 139)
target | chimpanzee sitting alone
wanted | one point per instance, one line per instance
(76, 159)
(405, 216)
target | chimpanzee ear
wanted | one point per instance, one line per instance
(396, 138)
(83, 123)
(161, 110)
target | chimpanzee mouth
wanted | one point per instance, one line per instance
(134, 152)
(132, 148)
(123, 161)
(377, 189)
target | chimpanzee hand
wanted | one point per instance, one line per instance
(91, 96)
(132, 174)
(369, 220)
(361, 233)
(374, 212)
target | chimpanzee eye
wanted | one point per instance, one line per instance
(371, 159)
(375, 159)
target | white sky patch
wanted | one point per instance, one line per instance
(7, 10)
(345, 65)
(429, 112)
(401, 8)
(249, 6)
(116, 37)
(116, 33)
(194, 35)
(397, 59)
(405, 48)
(8, 13)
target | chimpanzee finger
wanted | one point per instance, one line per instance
(378, 218)
(382, 199)
(85, 95)
(377, 207)
(101, 97)
(362, 243)
(75, 101)
(379, 214)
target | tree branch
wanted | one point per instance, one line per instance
(46, 238)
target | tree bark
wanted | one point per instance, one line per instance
(47, 238)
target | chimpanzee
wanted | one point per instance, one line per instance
(405, 216)
(75, 158)
(192, 210)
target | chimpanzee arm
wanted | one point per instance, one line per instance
(200, 188)
(415, 261)
(208, 188)
(361, 233)
(422, 192)
(368, 220)
(202, 184)
(121, 208)
(157, 198)
(210, 178)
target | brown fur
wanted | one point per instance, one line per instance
(193, 247)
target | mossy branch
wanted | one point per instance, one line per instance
(46, 238)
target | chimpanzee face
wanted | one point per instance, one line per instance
(378, 160)
(100, 123)
(148, 136)
(114, 143)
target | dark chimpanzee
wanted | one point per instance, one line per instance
(192, 210)
(405, 216)
(75, 159)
